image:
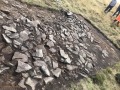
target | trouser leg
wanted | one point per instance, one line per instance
(116, 13)
(110, 8)
(107, 8)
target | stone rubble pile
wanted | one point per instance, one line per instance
(44, 52)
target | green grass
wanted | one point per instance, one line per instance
(90, 9)
(105, 80)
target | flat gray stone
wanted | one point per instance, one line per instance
(12, 29)
(48, 79)
(51, 38)
(57, 72)
(7, 50)
(71, 67)
(50, 44)
(55, 65)
(23, 67)
(31, 82)
(39, 53)
(43, 36)
(14, 36)
(52, 50)
(105, 53)
(39, 63)
(6, 39)
(3, 69)
(22, 83)
(24, 35)
(20, 56)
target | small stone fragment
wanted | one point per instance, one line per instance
(71, 67)
(56, 72)
(22, 83)
(12, 29)
(6, 39)
(39, 53)
(50, 44)
(24, 35)
(45, 70)
(48, 79)
(38, 63)
(51, 38)
(31, 82)
(43, 36)
(7, 50)
(52, 50)
(20, 56)
(55, 65)
(3, 69)
(23, 67)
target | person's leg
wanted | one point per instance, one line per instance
(118, 24)
(118, 13)
(110, 8)
(115, 13)
(107, 8)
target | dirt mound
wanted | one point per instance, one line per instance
(45, 49)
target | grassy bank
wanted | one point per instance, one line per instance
(105, 80)
(91, 9)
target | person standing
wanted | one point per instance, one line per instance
(117, 19)
(110, 6)
(117, 12)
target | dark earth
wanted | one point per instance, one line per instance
(99, 51)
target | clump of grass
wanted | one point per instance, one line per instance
(98, 79)
(117, 78)
(103, 80)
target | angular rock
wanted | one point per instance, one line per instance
(34, 23)
(105, 53)
(89, 65)
(20, 56)
(17, 43)
(14, 35)
(39, 53)
(55, 65)
(31, 82)
(12, 29)
(45, 70)
(48, 79)
(51, 38)
(82, 59)
(52, 50)
(23, 67)
(50, 44)
(25, 75)
(38, 63)
(22, 83)
(3, 69)
(71, 67)
(65, 56)
(6, 39)
(24, 35)
(7, 50)
(43, 36)
(57, 72)
(24, 48)
(38, 77)
(69, 13)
